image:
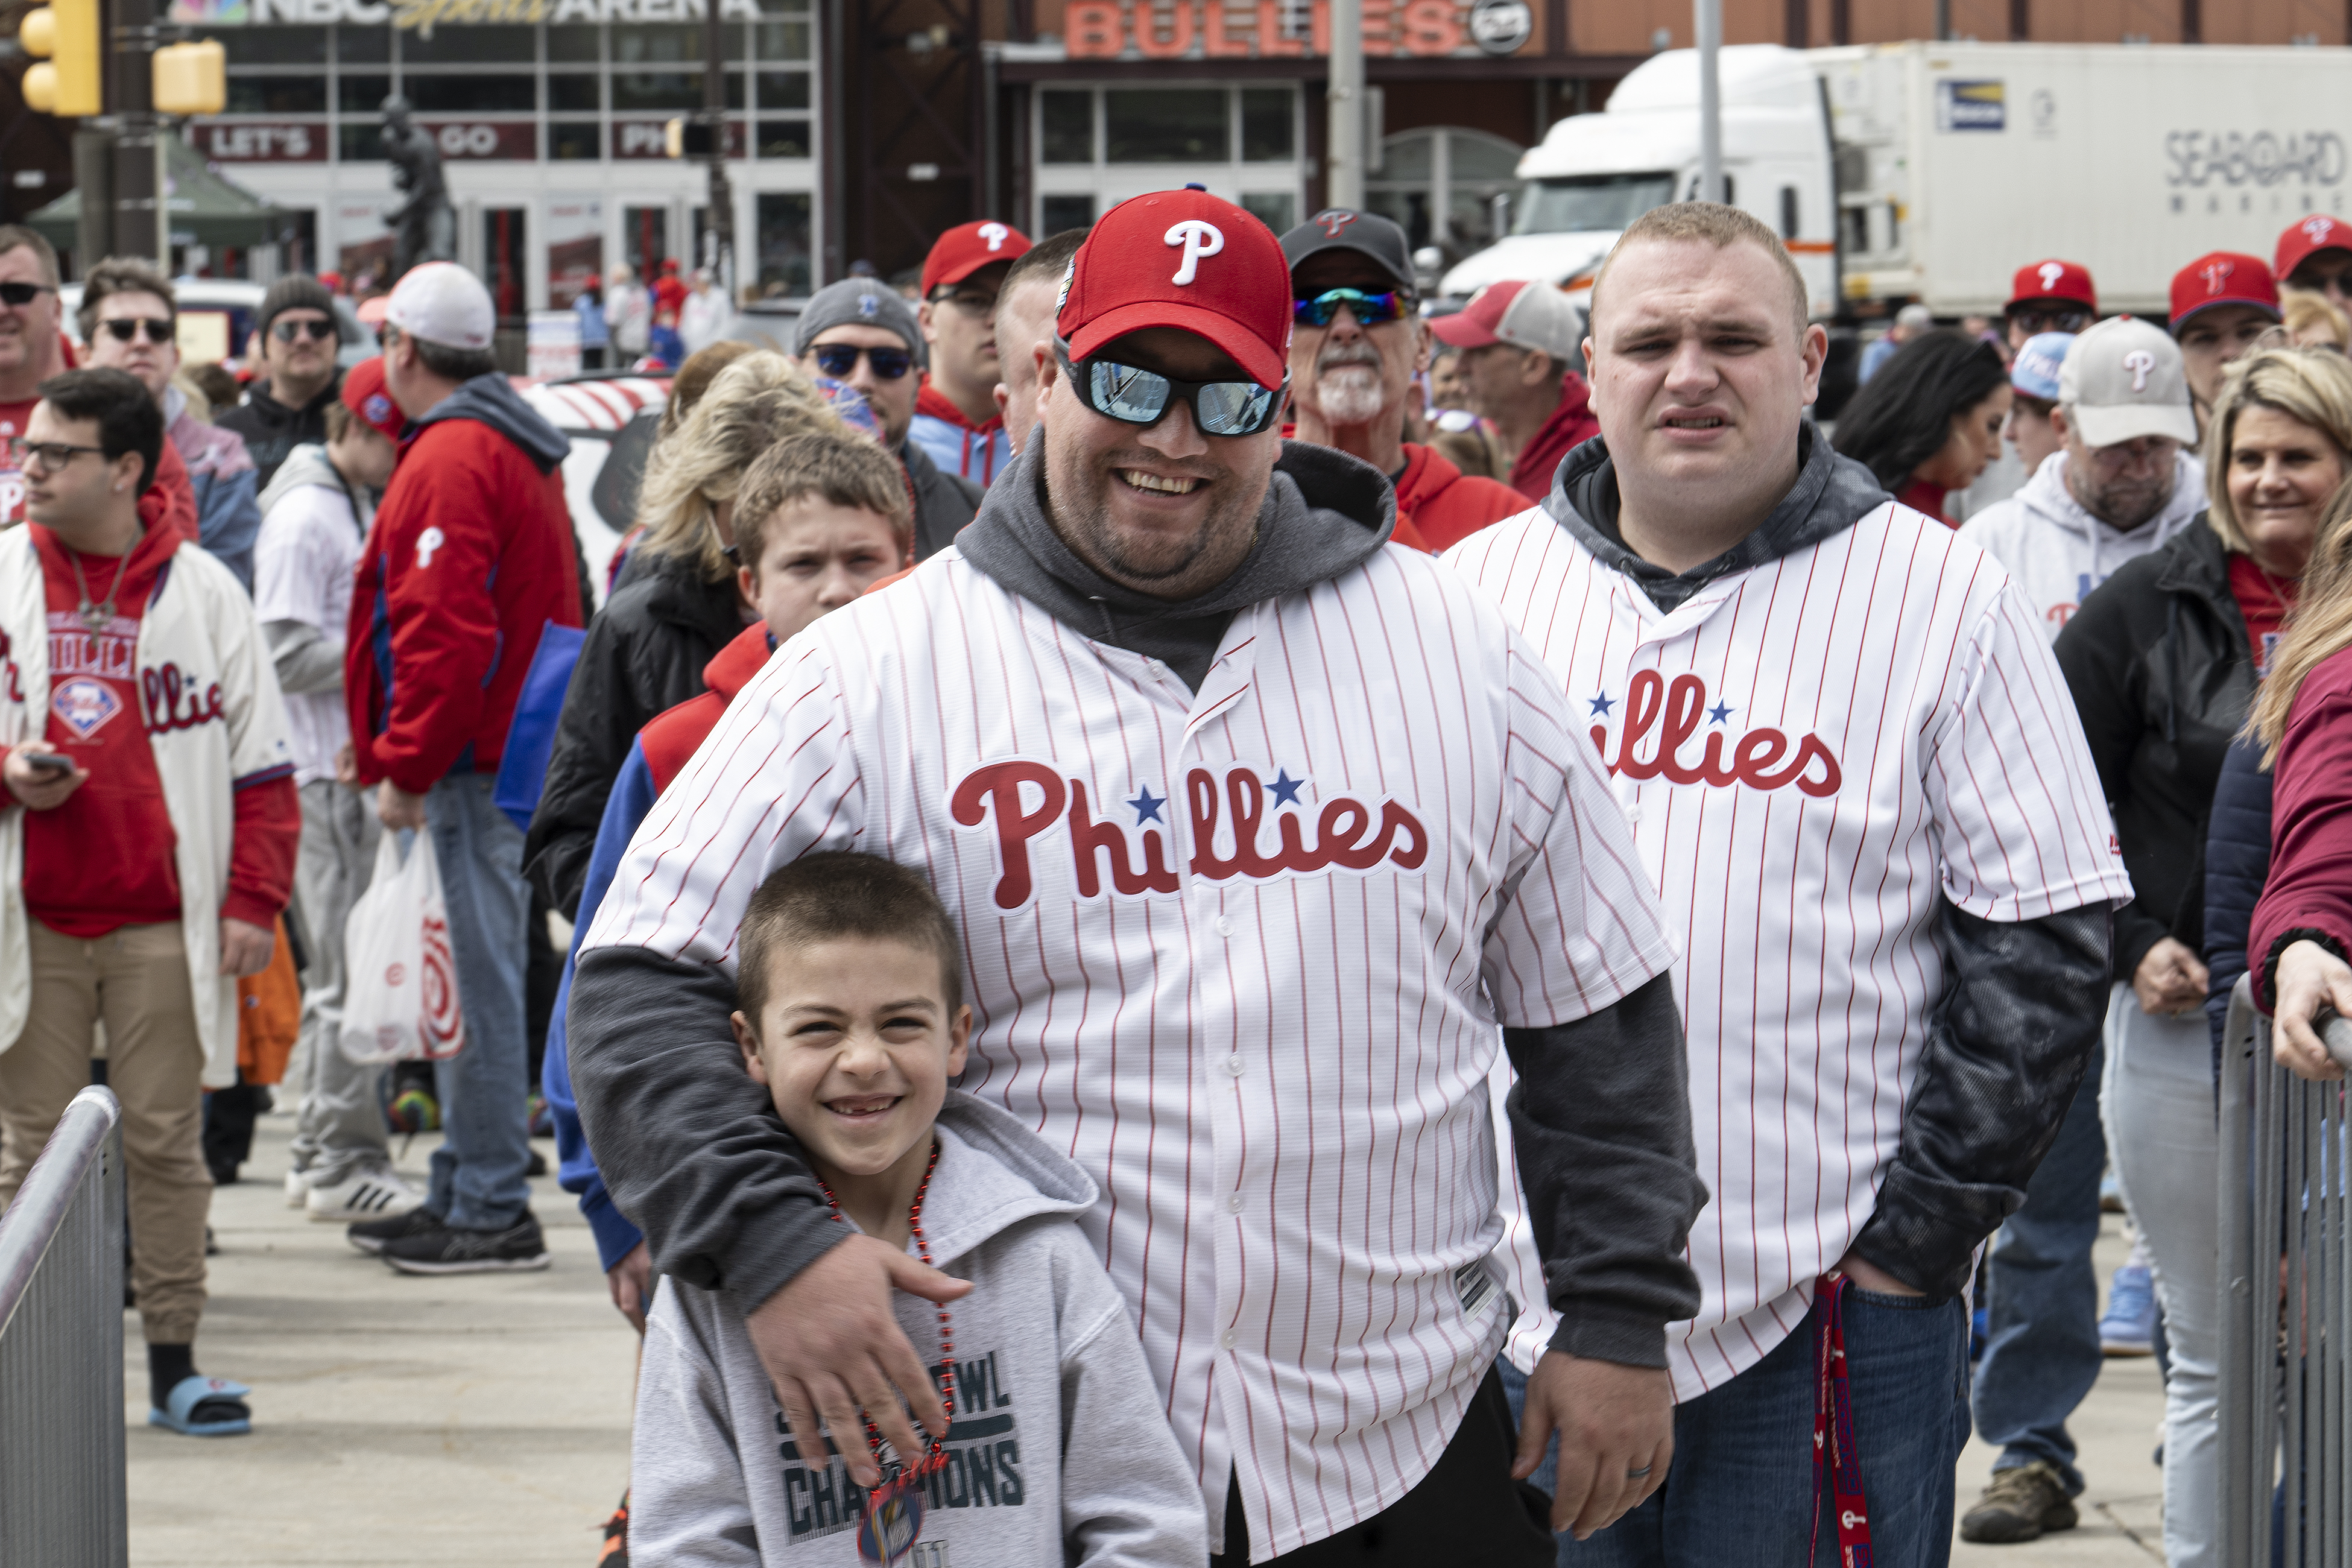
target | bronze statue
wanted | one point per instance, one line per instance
(423, 227)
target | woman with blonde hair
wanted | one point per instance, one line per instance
(2164, 661)
(2312, 320)
(676, 604)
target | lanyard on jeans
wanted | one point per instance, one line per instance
(1834, 1445)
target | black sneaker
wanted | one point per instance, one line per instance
(448, 1250)
(374, 1234)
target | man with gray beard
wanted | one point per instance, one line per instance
(1356, 347)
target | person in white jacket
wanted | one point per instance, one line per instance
(628, 313)
(852, 1017)
(147, 834)
(315, 517)
(703, 318)
(2122, 482)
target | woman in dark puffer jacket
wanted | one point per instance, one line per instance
(676, 606)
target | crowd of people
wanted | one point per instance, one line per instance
(1217, 916)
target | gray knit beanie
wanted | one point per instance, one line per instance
(295, 291)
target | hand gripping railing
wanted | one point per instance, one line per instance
(62, 1485)
(2285, 1398)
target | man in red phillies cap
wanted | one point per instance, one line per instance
(2221, 303)
(1165, 613)
(1519, 343)
(956, 422)
(2049, 296)
(2315, 253)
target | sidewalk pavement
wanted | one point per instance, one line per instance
(477, 1419)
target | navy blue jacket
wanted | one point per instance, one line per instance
(2237, 861)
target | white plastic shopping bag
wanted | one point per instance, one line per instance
(400, 994)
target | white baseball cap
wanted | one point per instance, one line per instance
(441, 302)
(2123, 379)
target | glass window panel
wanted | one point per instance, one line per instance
(1068, 133)
(783, 139)
(361, 94)
(360, 142)
(274, 45)
(634, 91)
(471, 46)
(1408, 158)
(1589, 202)
(580, 139)
(1265, 124)
(783, 40)
(575, 43)
(364, 46)
(436, 94)
(783, 243)
(659, 45)
(1278, 210)
(1476, 158)
(506, 252)
(572, 90)
(784, 90)
(1056, 214)
(277, 95)
(1178, 125)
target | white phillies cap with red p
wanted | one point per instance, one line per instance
(441, 302)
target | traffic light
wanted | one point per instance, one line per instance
(686, 137)
(66, 83)
(191, 78)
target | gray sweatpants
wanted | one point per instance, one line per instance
(341, 1126)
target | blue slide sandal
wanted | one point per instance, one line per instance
(179, 1412)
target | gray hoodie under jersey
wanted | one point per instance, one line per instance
(2056, 553)
(1057, 1454)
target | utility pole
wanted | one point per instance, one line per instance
(141, 223)
(1709, 20)
(714, 111)
(1343, 184)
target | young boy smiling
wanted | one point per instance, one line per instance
(851, 1018)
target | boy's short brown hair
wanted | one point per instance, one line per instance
(338, 419)
(837, 893)
(841, 468)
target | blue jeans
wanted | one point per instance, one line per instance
(478, 1172)
(1741, 1485)
(2041, 1352)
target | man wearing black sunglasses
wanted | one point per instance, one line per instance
(1257, 830)
(861, 332)
(286, 405)
(30, 347)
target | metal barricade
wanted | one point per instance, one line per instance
(61, 1479)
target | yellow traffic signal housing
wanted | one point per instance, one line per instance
(191, 78)
(68, 80)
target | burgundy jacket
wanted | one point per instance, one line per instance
(2309, 893)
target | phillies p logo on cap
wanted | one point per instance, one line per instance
(1199, 238)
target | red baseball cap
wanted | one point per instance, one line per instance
(2306, 238)
(1524, 315)
(2222, 278)
(1183, 259)
(2052, 280)
(966, 249)
(365, 396)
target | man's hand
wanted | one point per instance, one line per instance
(1612, 1421)
(346, 765)
(395, 807)
(1872, 1278)
(2170, 979)
(245, 948)
(2310, 979)
(39, 789)
(830, 1346)
(632, 1283)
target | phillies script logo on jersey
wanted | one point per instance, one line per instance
(1760, 758)
(1023, 800)
(178, 700)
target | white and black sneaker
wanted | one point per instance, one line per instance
(374, 1235)
(364, 1195)
(445, 1249)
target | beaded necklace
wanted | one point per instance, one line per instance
(937, 1458)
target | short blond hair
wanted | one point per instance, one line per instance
(841, 466)
(2301, 311)
(1714, 224)
(2311, 386)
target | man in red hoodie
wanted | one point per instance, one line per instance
(1520, 345)
(1356, 347)
(956, 419)
(471, 556)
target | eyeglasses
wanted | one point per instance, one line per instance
(1369, 310)
(972, 302)
(1133, 395)
(126, 328)
(20, 295)
(2034, 322)
(54, 455)
(286, 331)
(840, 360)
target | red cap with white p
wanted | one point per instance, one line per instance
(966, 249)
(1183, 259)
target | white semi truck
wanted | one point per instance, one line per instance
(1932, 171)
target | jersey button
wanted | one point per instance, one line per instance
(1225, 926)
(1233, 1203)
(1227, 1339)
(1236, 1066)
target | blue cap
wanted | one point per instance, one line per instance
(2035, 370)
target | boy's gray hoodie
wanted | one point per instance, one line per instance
(2056, 553)
(1057, 1454)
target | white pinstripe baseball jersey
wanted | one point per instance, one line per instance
(1810, 752)
(1242, 952)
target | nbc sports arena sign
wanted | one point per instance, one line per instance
(423, 15)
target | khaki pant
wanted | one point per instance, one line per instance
(136, 978)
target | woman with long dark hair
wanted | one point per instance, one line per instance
(1930, 421)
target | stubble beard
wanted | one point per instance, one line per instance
(1082, 491)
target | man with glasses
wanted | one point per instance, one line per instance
(956, 420)
(30, 347)
(1357, 345)
(2222, 305)
(2046, 296)
(286, 406)
(2315, 253)
(1520, 352)
(1259, 832)
(129, 321)
(860, 332)
(150, 836)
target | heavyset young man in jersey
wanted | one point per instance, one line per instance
(1857, 781)
(1257, 828)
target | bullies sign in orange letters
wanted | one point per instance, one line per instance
(1105, 30)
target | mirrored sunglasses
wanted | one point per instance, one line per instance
(1133, 395)
(1369, 310)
